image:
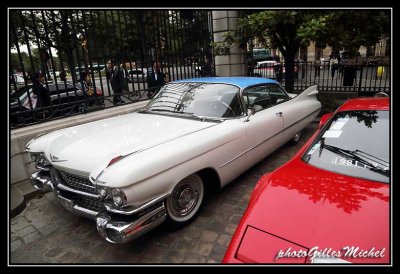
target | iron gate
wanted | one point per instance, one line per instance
(72, 49)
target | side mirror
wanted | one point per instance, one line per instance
(251, 111)
(324, 119)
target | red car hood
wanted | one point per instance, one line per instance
(316, 209)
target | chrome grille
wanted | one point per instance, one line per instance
(90, 203)
(78, 182)
(84, 201)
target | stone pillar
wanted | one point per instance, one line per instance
(235, 63)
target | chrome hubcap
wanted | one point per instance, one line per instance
(185, 198)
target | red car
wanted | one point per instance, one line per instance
(330, 202)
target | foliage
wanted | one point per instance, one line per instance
(288, 30)
(80, 37)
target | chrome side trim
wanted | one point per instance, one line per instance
(247, 150)
(137, 209)
(240, 155)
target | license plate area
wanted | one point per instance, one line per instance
(68, 204)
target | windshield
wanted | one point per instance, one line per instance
(198, 99)
(355, 143)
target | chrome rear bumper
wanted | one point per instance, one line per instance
(109, 226)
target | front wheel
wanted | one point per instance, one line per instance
(185, 201)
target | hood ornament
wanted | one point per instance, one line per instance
(54, 158)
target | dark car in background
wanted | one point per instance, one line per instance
(65, 98)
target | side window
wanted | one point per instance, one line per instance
(277, 94)
(257, 97)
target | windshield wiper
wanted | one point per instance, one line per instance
(168, 110)
(356, 156)
(188, 114)
(173, 111)
(158, 109)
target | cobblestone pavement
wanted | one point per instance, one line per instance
(46, 233)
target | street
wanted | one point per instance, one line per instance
(45, 232)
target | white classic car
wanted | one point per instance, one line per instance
(131, 172)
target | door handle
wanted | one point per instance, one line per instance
(279, 113)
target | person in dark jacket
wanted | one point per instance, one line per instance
(42, 94)
(125, 77)
(155, 79)
(116, 77)
(88, 89)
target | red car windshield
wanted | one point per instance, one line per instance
(354, 143)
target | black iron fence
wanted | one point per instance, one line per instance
(365, 79)
(80, 53)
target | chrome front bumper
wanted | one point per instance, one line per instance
(108, 225)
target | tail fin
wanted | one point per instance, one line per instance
(311, 91)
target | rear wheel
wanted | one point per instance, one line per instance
(295, 139)
(185, 201)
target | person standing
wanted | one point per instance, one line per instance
(317, 67)
(155, 79)
(88, 89)
(63, 76)
(41, 93)
(115, 76)
(125, 77)
(334, 64)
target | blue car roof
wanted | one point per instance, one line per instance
(241, 82)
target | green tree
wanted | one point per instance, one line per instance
(16, 60)
(346, 29)
(288, 30)
(86, 37)
(46, 29)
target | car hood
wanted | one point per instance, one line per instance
(313, 208)
(92, 146)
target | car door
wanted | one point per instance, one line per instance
(295, 115)
(264, 128)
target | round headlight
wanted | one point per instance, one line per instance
(34, 156)
(118, 197)
(40, 159)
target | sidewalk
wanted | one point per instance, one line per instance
(17, 201)
(19, 194)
